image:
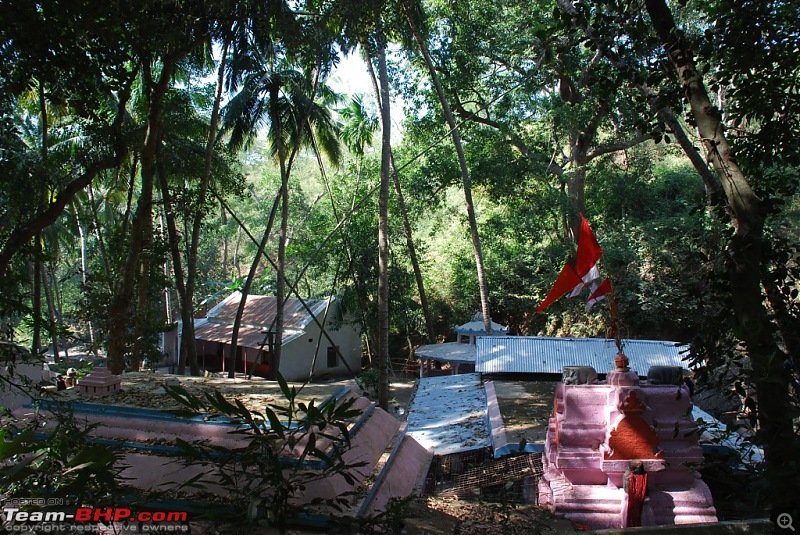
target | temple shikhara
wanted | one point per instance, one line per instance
(624, 453)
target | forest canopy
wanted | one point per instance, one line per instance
(157, 155)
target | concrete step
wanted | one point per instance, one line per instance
(402, 475)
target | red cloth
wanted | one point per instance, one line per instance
(566, 281)
(589, 251)
(575, 275)
(598, 293)
(637, 488)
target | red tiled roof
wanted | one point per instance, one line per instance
(221, 332)
(260, 311)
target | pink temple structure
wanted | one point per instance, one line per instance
(623, 454)
(101, 382)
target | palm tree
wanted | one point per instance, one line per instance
(275, 91)
(359, 125)
(186, 289)
(401, 204)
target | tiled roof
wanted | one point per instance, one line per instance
(260, 310)
(248, 336)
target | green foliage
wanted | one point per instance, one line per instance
(750, 47)
(281, 453)
(63, 464)
(369, 381)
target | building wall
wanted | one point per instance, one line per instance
(12, 398)
(298, 354)
(170, 346)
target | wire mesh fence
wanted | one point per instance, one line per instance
(476, 473)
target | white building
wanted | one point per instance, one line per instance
(304, 344)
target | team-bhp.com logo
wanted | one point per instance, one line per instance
(92, 519)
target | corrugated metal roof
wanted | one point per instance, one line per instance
(260, 310)
(539, 354)
(448, 414)
(447, 352)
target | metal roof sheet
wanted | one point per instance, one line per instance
(447, 352)
(539, 354)
(448, 414)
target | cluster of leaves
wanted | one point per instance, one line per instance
(751, 47)
(51, 457)
(281, 453)
(49, 454)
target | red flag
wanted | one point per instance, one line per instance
(593, 275)
(589, 251)
(576, 275)
(566, 281)
(598, 293)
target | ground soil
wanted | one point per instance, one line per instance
(526, 407)
(440, 516)
(146, 390)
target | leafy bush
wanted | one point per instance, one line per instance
(264, 477)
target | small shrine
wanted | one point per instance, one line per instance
(101, 382)
(456, 357)
(624, 453)
(467, 333)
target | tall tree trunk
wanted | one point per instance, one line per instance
(236, 259)
(223, 215)
(361, 291)
(291, 287)
(141, 228)
(383, 223)
(84, 265)
(163, 231)
(142, 309)
(36, 298)
(186, 308)
(197, 222)
(576, 188)
(581, 140)
(401, 204)
(280, 283)
(51, 310)
(462, 163)
(744, 266)
(58, 301)
(101, 245)
(245, 291)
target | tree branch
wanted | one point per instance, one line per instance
(23, 234)
(600, 150)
